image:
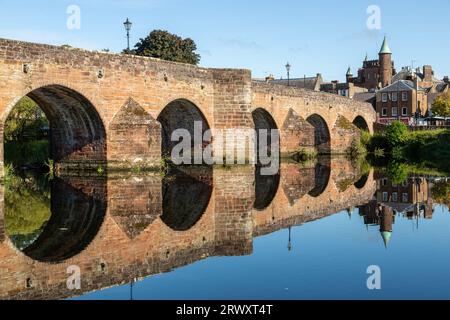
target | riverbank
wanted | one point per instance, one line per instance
(422, 149)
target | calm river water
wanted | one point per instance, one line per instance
(310, 232)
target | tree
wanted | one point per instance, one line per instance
(396, 134)
(164, 45)
(25, 121)
(441, 106)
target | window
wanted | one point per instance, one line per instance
(394, 96)
(384, 181)
(404, 96)
(394, 197)
(405, 183)
(394, 111)
(384, 112)
(385, 196)
(404, 111)
(384, 97)
(405, 198)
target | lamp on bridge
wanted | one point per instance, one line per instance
(288, 69)
(127, 24)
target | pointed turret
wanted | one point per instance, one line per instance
(349, 75)
(386, 235)
(386, 65)
(349, 71)
(385, 47)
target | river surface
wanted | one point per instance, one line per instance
(310, 232)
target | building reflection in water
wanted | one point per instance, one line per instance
(411, 199)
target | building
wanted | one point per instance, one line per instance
(343, 89)
(404, 100)
(375, 74)
(310, 83)
(411, 198)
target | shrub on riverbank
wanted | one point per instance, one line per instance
(427, 148)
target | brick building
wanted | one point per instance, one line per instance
(403, 100)
(375, 74)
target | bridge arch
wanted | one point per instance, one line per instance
(361, 123)
(263, 120)
(77, 132)
(322, 136)
(180, 114)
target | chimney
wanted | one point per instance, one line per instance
(270, 77)
(427, 73)
(446, 80)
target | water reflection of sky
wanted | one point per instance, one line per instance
(328, 260)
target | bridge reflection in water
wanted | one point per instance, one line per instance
(121, 228)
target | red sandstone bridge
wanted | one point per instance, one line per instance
(109, 109)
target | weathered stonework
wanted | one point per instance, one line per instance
(134, 138)
(89, 114)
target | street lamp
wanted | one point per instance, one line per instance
(127, 24)
(290, 240)
(288, 69)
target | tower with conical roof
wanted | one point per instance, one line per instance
(349, 75)
(385, 59)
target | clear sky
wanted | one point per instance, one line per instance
(262, 35)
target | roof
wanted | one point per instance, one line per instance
(364, 96)
(311, 83)
(349, 71)
(385, 47)
(400, 85)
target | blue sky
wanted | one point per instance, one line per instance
(262, 35)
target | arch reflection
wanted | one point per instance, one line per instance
(186, 195)
(321, 178)
(266, 188)
(67, 226)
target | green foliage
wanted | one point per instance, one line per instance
(27, 207)
(356, 149)
(379, 153)
(25, 122)
(441, 106)
(31, 152)
(100, 170)
(164, 45)
(365, 138)
(344, 123)
(304, 155)
(397, 172)
(25, 142)
(441, 192)
(396, 134)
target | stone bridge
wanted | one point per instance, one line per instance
(120, 110)
(123, 228)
